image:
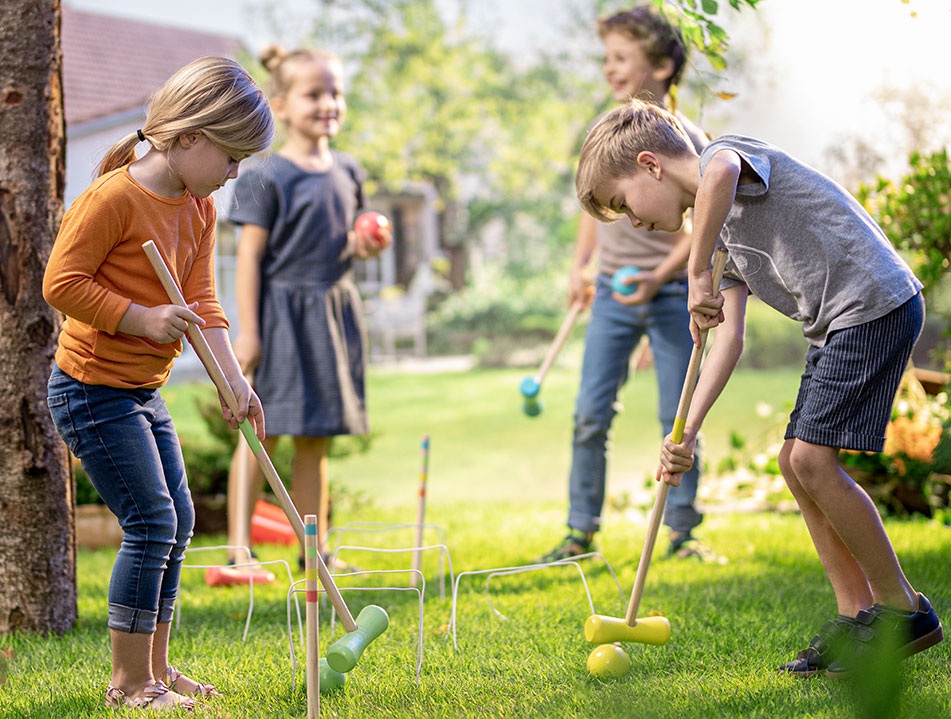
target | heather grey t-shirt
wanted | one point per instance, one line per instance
(805, 246)
(620, 244)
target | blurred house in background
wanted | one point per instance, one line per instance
(111, 65)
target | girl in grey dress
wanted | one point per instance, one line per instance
(301, 330)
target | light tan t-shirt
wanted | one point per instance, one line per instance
(620, 245)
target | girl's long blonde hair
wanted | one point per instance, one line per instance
(212, 94)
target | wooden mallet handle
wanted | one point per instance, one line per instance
(559, 340)
(660, 500)
(224, 388)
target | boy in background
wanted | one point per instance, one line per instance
(643, 57)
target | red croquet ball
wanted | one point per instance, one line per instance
(371, 223)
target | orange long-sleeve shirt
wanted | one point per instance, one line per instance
(97, 269)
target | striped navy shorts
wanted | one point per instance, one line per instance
(849, 384)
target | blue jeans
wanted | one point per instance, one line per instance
(130, 450)
(613, 332)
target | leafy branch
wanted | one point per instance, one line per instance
(697, 22)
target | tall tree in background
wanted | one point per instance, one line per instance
(37, 556)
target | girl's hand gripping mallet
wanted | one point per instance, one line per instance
(532, 385)
(654, 630)
(373, 620)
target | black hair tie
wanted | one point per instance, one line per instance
(140, 135)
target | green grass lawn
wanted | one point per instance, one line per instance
(497, 486)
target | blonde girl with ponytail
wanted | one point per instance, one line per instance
(121, 336)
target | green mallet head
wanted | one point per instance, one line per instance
(344, 653)
(329, 679)
(604, 630)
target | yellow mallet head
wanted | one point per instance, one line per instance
(649, 630)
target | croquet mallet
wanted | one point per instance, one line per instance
(654, 630)
(532, 385)
(372, 621)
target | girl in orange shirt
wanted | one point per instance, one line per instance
(121, 336)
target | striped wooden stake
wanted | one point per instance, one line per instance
(313, 649)
(421, 511)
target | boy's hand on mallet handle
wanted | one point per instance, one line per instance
(705, 305)
(675, 459)
(648, 282)
(580, 288)
(249, 403)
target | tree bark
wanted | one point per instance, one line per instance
(37, 550)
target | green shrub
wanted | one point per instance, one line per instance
(499, 306)
(915, 213)
(909, 476)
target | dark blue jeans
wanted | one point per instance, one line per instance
(128, 446)
(612, 335)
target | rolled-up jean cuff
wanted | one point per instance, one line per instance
(166, 609)
(132, 620)
(682, 519)
(584, 522)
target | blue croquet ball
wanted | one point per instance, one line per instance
(529, 387)
(617, 281)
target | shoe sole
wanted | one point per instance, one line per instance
(803, 675)
(935, 636)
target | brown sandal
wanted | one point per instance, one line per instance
(201, 689)
(116, 698)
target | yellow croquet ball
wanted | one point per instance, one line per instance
(608, 661)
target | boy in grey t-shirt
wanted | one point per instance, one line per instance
(808, 249)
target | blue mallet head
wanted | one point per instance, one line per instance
(618, 281)
(531, 405)
(529, 387)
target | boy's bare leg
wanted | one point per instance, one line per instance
(309, 479)
(848, 581)
(847, 530)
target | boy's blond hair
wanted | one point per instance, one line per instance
(611, 148)
(214, 95)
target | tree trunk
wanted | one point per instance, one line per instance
(37, 553)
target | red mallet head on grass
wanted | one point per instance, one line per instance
(372, 224)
